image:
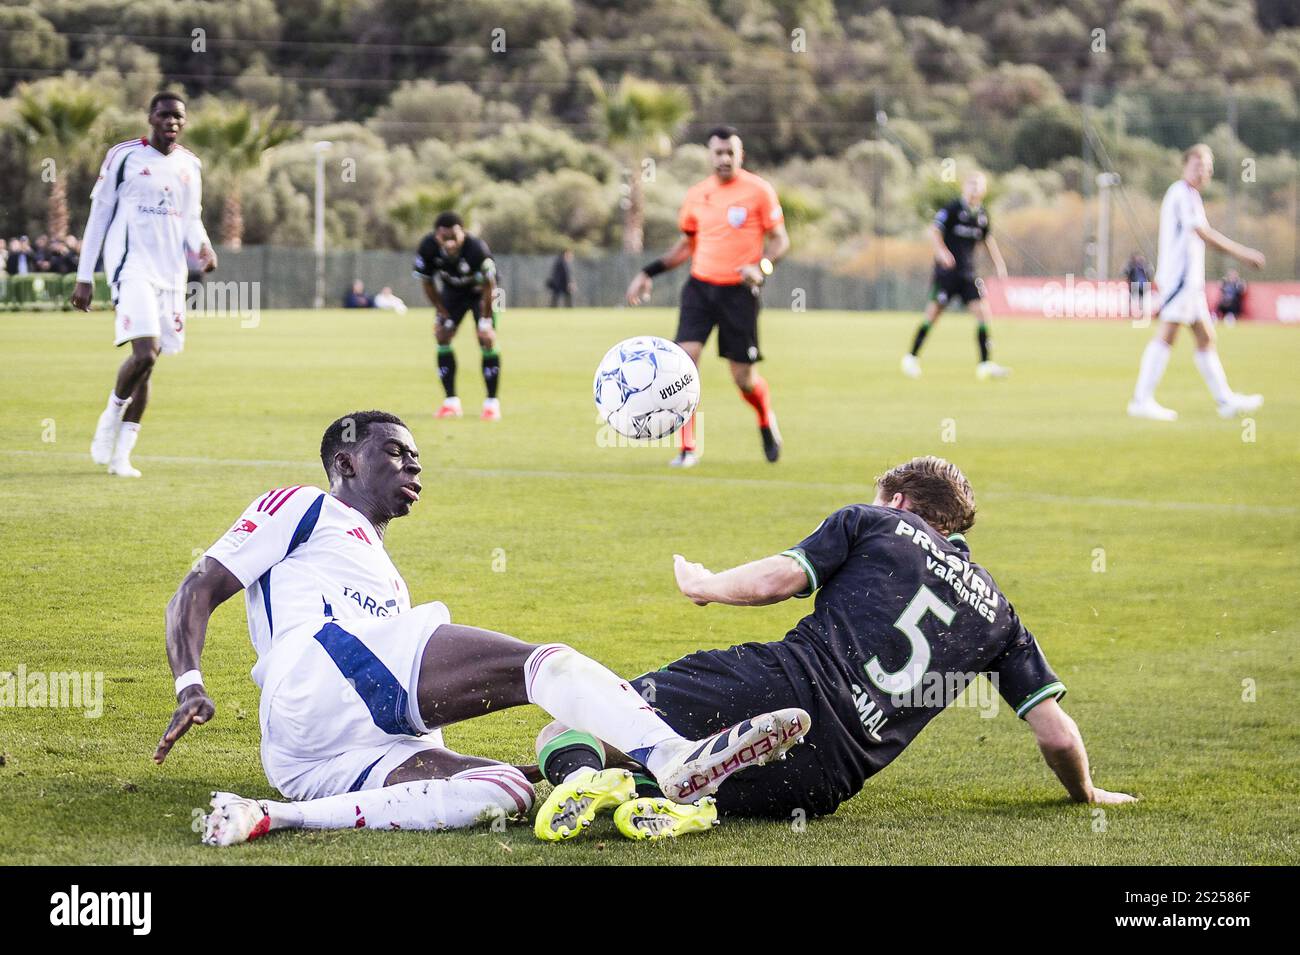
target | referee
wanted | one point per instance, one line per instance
(732, 231)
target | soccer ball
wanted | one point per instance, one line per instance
(646, 387)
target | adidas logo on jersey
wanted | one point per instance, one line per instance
(359, 534)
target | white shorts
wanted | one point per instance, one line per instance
(1186, 308)
(146, 311)
(339, 708)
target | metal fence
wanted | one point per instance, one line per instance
(286, 278)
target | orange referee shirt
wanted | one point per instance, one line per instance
(728, 220)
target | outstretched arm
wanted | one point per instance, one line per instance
(999, 263)
(1062, 747)
(1252, 257)
(755, 584)
(639, 290)
(188, 612)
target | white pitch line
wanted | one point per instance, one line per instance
(848, 488)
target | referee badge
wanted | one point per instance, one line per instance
(736, 216)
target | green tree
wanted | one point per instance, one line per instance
(639, 120)
(233, 139)
(57, 118)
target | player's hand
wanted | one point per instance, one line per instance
(207, 259)
(195, 708)
(1101, 797)
(81, 296)
(638, 292)
(1254, 258)
(945, 258)
(688, 576)
(751, 275)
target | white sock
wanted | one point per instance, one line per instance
(585, 696)
(455, 803)
(579, 773)
(117, 405)
(1211, 369)
(126, 437)
(1154, 359)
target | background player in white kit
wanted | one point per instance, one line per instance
(145, 212)
(1180, 281)
(356, 682)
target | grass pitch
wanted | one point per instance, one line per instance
(1157, 565)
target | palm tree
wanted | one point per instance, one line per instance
(58, 117)
(639, 120)
(233, 138)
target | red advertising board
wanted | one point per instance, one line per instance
(1067, 297)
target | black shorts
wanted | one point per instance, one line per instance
(458, 303)
(732, 308)
(711, 690)
(951, 285)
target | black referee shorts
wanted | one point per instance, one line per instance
(709, 691)
(732, 308)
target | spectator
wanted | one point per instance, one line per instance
(561, 279)
(1138, 274)
(20, 261)
(386, 299)
(1232, 297)
(357, 298)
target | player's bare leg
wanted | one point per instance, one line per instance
(466, 672)
(119, 424)
(487, 341)
(987, 368)
(690, 453)
(911, 363)
(1229, 402)
(1155, 358)
(753, 388)
(444, 332)
(433, 789)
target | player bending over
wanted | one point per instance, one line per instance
(356, 682)
(459, 276)
(957, 228)
(1180, 277)
(145, 212)
(903, 621)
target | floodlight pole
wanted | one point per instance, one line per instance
(1105, 181)
(320, 148)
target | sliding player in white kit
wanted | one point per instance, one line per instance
(145, 213)
(1180, 280)
(356, 682)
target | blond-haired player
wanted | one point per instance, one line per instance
(1180, 278)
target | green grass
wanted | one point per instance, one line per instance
(1198, 527)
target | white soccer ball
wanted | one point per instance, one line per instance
(646, 387)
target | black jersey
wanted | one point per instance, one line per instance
(468, 271)
(903, 621)
(962, 227)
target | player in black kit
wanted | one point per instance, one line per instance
(957, 228)
(903, 622)
(465, 282)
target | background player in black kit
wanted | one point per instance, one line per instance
(459, 276)
(957, 228)
(903, 621)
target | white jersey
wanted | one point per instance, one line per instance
(146, 211)
(305, 558)
(1180, 262)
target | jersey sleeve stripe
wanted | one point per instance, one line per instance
(1055, 690)
(802, 561)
